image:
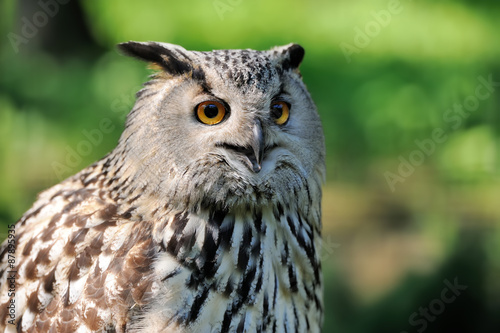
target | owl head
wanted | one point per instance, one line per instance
(224, 128)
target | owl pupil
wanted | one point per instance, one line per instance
(211, 110)
(277, 111)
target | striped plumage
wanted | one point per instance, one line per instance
(185, 227)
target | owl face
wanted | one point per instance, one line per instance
(224, 123)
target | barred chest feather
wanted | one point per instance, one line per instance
(246, 272)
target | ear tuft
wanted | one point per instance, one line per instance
(296, 53)
(289, 56)
(171, 58)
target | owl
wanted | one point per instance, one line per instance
(206, 217)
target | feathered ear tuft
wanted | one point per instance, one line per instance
(289, 56)
(172, 58)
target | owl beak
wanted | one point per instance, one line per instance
(257, 145)
(252, 153)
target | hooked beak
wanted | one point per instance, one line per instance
(252, 153)
(257, 146)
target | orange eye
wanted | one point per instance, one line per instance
(280, 111)
(210, 112)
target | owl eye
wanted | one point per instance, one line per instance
(280, 111)
(210, 112)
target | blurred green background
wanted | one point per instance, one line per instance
(412, 132)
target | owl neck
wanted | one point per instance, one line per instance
(157, 191)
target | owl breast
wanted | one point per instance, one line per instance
(253, 272)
